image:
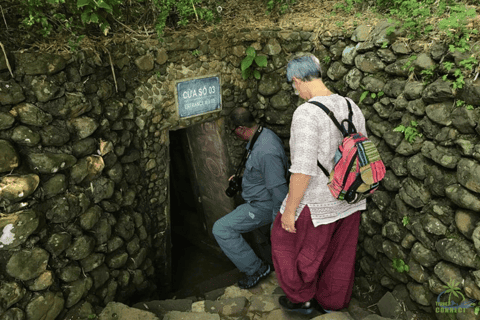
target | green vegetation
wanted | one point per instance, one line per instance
(413, 15)
(452, 235)
(405, 221)
(81, 17)
(75, 43)
(87, 16)
(373, 95)
(348, 6)
(419, 18)
(410, 132)
(428, 74)
(247, 62)
(280, 5)
(400, 265)
(460, 103)
(408, 65)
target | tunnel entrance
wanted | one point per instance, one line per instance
(198, 178)
(198, 265)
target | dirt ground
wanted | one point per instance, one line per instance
(316, 15)
(319, 15)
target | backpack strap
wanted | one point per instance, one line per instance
(332, 116)
(323, 169)
(351, 126)
(345, 132)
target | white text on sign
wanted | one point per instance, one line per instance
(199, 103)
(198, 93)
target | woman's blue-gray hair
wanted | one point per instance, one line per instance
(305, 68)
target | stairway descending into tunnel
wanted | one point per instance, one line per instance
(202, 265)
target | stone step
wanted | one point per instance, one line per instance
(258, 306)
(259, 303)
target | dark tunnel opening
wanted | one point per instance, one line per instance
(196, 257)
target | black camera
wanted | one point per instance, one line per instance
(234, 186)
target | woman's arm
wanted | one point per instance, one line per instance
(304, 146)
(298, 184)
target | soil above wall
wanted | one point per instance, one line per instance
(307, 15)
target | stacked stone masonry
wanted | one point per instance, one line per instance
(84, 162)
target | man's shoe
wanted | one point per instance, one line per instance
(250, 281)
(304, 308)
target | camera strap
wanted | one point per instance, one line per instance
(254, 139)
(248, 151)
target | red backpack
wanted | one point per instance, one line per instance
(358, 166)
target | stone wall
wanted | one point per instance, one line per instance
(84, 162)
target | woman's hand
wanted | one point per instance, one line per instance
(288, 222)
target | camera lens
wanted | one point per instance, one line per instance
(230, 193)
(233, 187)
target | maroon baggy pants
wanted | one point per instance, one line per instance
(316, 262)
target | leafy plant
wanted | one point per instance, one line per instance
(460, 103)
(455, 27)
(348, 6)
(92, 11)
(448, 65)
(400, 265)
(373, 95)
(195, 53)
(79, 16)
(281, 4)
(363, 96)
(408, 64)
(247, 62)
(469, 63)
(390, 30)
(327, 59)
(410, 132)
(74, 14)
(74, 44)
(405, 220)
(184, 9)
(428, 73)
(459, 82)
(412, 13)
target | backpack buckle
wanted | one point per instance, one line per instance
(356, 197)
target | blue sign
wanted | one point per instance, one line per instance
(198, 96)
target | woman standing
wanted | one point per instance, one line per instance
(314, 239)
